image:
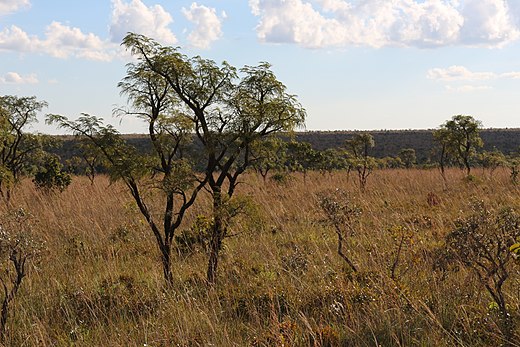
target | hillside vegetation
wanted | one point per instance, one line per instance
(282, 283)
(388, 142)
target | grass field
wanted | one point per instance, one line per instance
(281, 282)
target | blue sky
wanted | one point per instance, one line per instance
(354, 64)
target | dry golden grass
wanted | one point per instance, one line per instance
(281, 282)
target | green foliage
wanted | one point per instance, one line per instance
(196, 237)
(17, 249)
(269, 154)
(301, 157)
(332, 159)
(407, 156)
(484, 242)
(342, 214)
(492, 160)
(359, 146)
(227, 116)
(51, 175)
(513, 162)
(229, 111)
(282, 178)
(17, 146)
(459, 139)
(122, 160)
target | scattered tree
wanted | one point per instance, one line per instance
(228, 118)
(341, 213)
(513, 162)
(51, 176)
(482, 243)
(17, 249)
(301, 157)
(16, 145)
(359, 146)
(492, 160)
(408, 158)
(459, 137)
(166, 169)
(332, 159)
(268, 155)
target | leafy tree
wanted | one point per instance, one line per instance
(482, 242)
(51, 175)
(16, 145)
(390, 162)
(492, 160)
(513, 162)
(150, 98)
(342, 215)
(268, 155)
(227, 117)
(91, 157)
(442, 138)
(407, 156)
(459, 137)
(359, 146)
(332, 159)
(301, 157)
(18, 249)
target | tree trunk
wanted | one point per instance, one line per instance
(217, 236)
(3, 316)
(167, 263)
(468, 167)
(213, 260)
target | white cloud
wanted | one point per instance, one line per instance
(377, 23)
(10, 6)
(512, 75)
(458, 73)
(136, 17)
(61, 41)
(467, 88)
(460, 76)
(64, 41)
(15, 78)
(461, 73)
(514, 10)
(208, 26)
(488, 23)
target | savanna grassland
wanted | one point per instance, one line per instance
(98, 280)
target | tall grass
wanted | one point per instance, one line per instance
(281, 282)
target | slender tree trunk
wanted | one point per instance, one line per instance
(217, 236)
(3, 316)
(167, 263)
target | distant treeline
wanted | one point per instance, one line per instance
(388, 143)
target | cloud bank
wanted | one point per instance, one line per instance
(64, 41)
(208, 25)
(10, 6)
(136, 17)
(461, 73)
(377, 23)
(15, 78)
(60, 41)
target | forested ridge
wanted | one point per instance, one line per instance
(388, 142)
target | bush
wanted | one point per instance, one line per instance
(482, 242)
(51, 176)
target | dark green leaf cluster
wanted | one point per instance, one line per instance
(482, 240)
(459, 139)
(51, 175)
(17, 147)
